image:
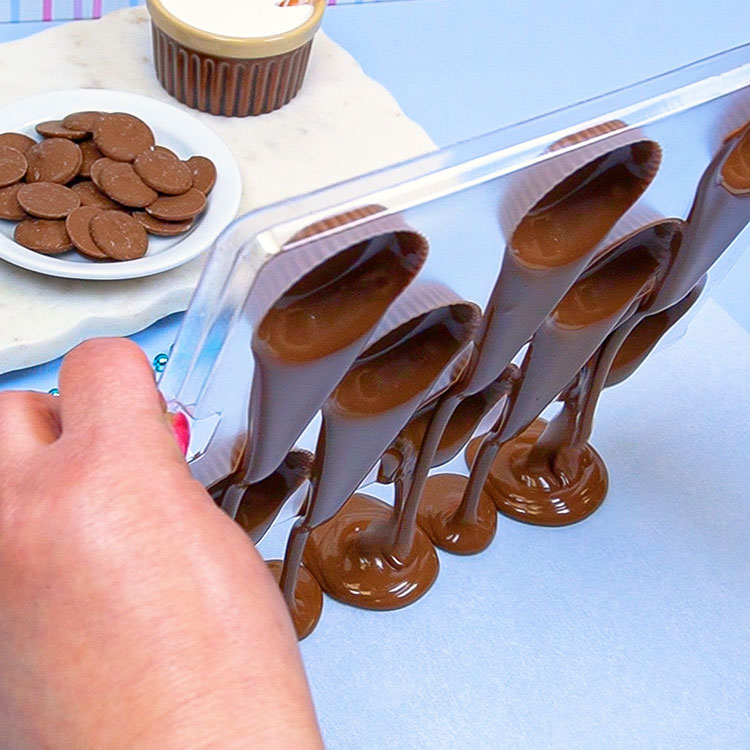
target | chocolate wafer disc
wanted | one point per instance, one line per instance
(163, 172)
(17, 140)
(78, 225)
(90, 195)
(85, 121)
(178, 207)
(96, 168)
(13, 165)
(54, 160)
(204, 173)
(10, 208)
(165, 150)
(122, 137)
(161, 228)
(119, 235)
(55, 129)
(121, 183)
(46, 236)
(48, 200)
(90, 154)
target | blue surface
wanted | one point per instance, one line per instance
(656, 656)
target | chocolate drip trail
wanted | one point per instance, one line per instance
(365, 412)
(559, 455)
(303, 338)
(548, 249)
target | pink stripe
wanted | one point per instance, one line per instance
(77, 9)
(47, 10)
(97, 9)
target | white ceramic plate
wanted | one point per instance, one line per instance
(174, 129)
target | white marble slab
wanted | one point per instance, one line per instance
(340, 125)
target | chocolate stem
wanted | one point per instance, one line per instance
(468, 509)
(489, 448)
(604, 362)
(295, 548)
(404, 523)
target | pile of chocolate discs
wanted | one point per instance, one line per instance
(97, 183)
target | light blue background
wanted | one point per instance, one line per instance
(641, 614)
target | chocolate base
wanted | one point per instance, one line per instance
(542, 498)
(347, 556)
(439, 518)
(308, 599)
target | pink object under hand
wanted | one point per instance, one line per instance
(181, 430)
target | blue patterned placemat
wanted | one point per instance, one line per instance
(17, 11)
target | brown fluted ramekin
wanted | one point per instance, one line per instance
(230, 76)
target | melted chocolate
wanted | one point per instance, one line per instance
(365, 412)
(347, 556)
(646, 334)
(590, 317)
(547, 252)
(447, 524)
(308, 599)
(561, 452)
(563, 483)
(261, 502)
(304, 338)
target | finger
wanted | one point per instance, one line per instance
(28, 421)
(108, 396)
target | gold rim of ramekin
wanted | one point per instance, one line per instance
(231, 46)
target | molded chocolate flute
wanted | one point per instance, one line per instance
(547, 476)
(304, 344)
(555, 239)
(720, 211)
(422, 335)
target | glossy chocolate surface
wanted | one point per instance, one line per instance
(583, 311)
(361, 418)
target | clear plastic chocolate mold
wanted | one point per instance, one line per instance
(584, 240)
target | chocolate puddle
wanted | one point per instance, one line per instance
(366, 411)
(536, 482)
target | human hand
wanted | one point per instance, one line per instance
(133, 612)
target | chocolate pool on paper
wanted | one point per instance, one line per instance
(360, 419)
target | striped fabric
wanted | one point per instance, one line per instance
(16, 11)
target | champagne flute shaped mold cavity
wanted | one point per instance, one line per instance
(367, 410)
(557, 216)
(529, 483)
(311, 334)
(551, 246)
(720, 211)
